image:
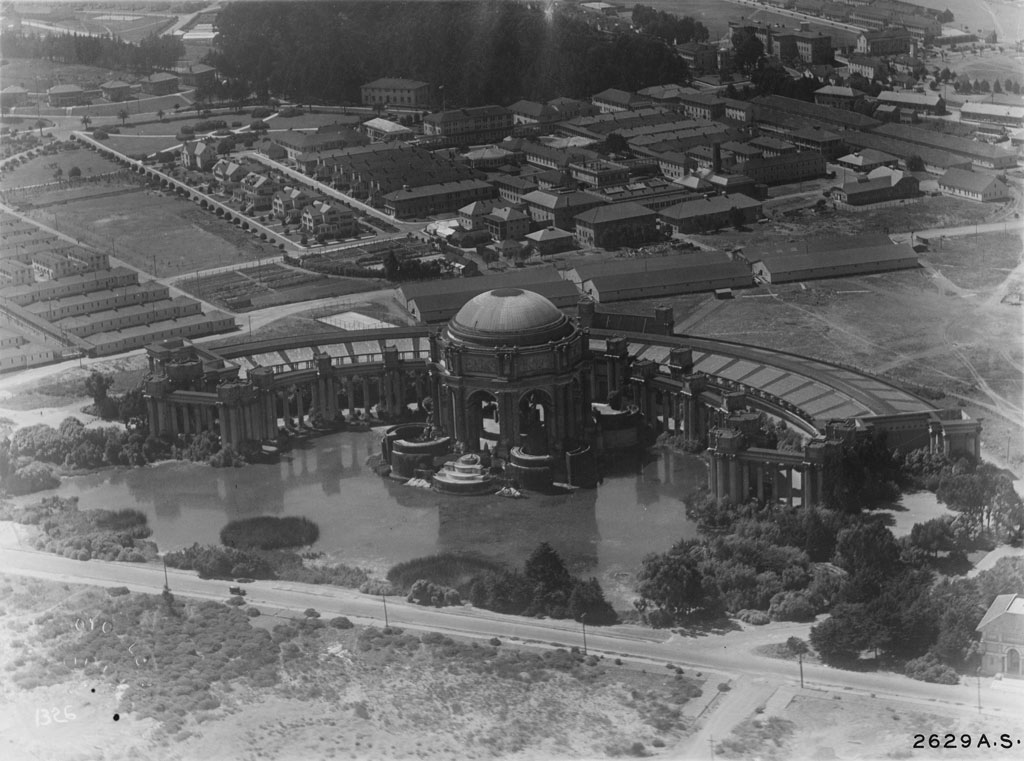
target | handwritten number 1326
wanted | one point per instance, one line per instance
(46, 716)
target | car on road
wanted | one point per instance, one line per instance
(237, 591)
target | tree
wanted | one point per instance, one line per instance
(587, 603)
(933, 536)
(996, 87)
(123, 116)
(842, 636)
(870, 554)
(945, 17)
(86, 120)
(160, 114)
(97, 385)
(616, 143)
(40, 123)
(672, 582)
(545, 568)
(58, 173)
(915, 163)
(747, 49)
(74, 173)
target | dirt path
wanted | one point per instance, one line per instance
(744, 698)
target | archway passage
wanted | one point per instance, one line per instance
(483, 419)
(1013, 662)
(535, 422)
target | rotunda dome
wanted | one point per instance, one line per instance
(509, 316)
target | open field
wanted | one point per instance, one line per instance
(306, 121)
(38, 75)
(977, 262)
(137, 146)
(131, 27)
(178, 237)
(819, 725)
(41, 168)
(271, 284)
(988, 65)
(319, 691)
(914, 327)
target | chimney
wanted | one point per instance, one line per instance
(716, 158)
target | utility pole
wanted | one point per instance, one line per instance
(383, 599)
(167, 585)
(800, 658)
(977, 673)
(583, 620)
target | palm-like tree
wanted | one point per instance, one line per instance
(160, 114)
(123, 116)
(86, 120)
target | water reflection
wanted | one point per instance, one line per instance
(372, 522)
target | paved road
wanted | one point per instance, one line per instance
(728, 653)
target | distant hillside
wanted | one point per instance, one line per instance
(493, 51)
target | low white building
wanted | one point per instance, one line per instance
(973, 186)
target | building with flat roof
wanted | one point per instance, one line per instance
(384, 130)
(395, 91)
(614, 225)
(468, 126)
(440, 198)
(711, 213)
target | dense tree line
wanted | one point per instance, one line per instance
(545, 587)
(496, 51)
(153, 52)
(667, 26)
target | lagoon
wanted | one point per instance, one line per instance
(373, 522)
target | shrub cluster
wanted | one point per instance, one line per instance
(425, 592)
(181, 654)
(269, 533)
(218, 562)
(85, 534)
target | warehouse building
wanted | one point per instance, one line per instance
(973, 186)
(711, 213)
(439, 300)
(644, 284)
(777, 268)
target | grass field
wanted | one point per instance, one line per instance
(978, 263)
(271, 284)
(38, 75)
(177, 236)
(913, 327)
(135, 145)
(42, 168)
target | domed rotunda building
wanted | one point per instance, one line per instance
(511, 372)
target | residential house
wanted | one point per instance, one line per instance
(116, 91)
(255, 192)
(330, 219)
(62, 96)
(197, 75)
(228, 173)
(614, 225)
(397, 92)
(198, 155)
(13, 96)
(161, 83)
(507, 223)
(471, 216)
(1002, 636)
(973, 186)
(289, 203)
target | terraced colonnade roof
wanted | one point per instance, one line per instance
(821, 390)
